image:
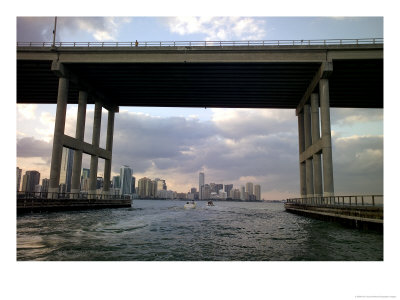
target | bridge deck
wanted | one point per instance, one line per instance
(249, 77)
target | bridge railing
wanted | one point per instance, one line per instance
(320, 42)
(358, 200)
(82, 195)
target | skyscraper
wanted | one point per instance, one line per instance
(228, 188)
(67, 161)
(236, 194)
(257, 191)
(19, 174)
(126, 180)
(242, 193)
(45, 185)
(145, 186)
(133, 189)
(161, 185)
(206, 192)
(30, 180)
(85, 179)
(249, 188)
(201, 184)
(116, 182)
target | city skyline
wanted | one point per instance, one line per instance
(145, 187)
(230, 145)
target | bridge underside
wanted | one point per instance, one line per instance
(307, 79)
(353, 83)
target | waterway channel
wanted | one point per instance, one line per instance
(154, 230)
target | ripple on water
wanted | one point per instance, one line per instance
(164, 230)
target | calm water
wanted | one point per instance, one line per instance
(164, 230)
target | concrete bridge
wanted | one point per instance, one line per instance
(306, 76)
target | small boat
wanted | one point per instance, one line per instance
(191, 204)
(210, 203)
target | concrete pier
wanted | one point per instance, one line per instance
(303, 184)
(95, 142)
(59, 127)
(317, 168)
(326, 137)
(79, 135)
(109, 143)
(307, 143)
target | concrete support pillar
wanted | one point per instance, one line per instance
(307, 143)
(95, 142)
(79, 135)
(303, 187)
(109, 143)
(315, 137)
(326, 137)
(59, 127)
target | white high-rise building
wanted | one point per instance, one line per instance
(66, 168)
(257, 191)
(125, 176)
(249, 188)
(201, 184)
(242, 193)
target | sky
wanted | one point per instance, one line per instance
(231, 146)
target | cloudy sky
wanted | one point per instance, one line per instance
(230, 145)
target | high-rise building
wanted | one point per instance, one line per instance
(215, 187)
(249, 188)
(85, 179)
(236, 194)
(99, 183)
(116, 182)
(67, 161)
(201, 184)
(257, 191)
(133, 189)
(228, 188)
(30, 180)
(24, 183)
(145, 186)
(126, 180)
(218, 187)
(19, 174)
(242, 193)
(206, 192)
(161, 185)
(45, 185)
(222, 194)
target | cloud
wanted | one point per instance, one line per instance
(350, 116)
(35, 29)
(101, 28)
(31, 147)
(141, 140)
(240, 123)
(69, 29)
(26, 111)
(219, 28)
(358, 164)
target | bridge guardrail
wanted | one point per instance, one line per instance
(320, 42)
(354, 200)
